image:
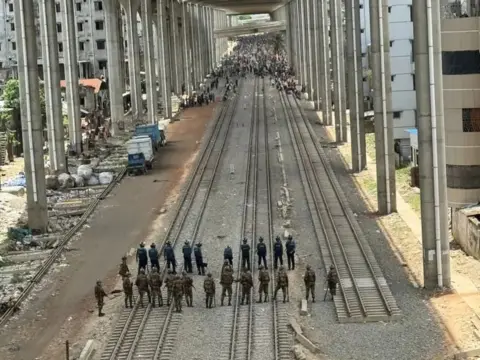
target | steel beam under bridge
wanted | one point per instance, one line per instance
(250, 28)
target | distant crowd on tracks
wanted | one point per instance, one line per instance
(258, 55)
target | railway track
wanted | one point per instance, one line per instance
(363, 295)
(151, 333)
(59, 249)
(255, 327)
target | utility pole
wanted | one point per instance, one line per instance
(431, 141)
(382, 85)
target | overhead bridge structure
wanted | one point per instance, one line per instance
(181, 41)
(250, 28)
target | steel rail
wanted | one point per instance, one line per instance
(243, 229)
(270, 227)
(301, 160)
(192, 186)
(330, 176)
(58, 251)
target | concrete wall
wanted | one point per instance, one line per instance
(466, 230)
(461, 81)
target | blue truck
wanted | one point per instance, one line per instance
(153, 131)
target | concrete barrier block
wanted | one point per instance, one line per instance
(296, 326)
(89, 350)
(304, 308)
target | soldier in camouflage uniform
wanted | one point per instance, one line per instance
(142, 285)
(169, 285)
(155, 281)
(264, 279)
(188, 289)
(332, 279)
(209, 287)
(309, 280)
(123, 267)
(226, 280)
(99, 295)
(128, 290)
(282, 283)
(178, 292)
(247, 283)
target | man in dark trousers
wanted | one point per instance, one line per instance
(245, 249)
(278, 251)
(153, 255)
(170, 257)
(290, 246)
(199, 259)
(187, 257)
(262, 252)
(228, 255)
(142, 257)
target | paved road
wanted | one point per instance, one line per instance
(124, 221)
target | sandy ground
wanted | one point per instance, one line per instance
(459, 310)
(65, 303)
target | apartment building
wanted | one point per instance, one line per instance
(90, 33)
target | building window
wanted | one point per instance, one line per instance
(397, 114)
(98, 6)
(471, 120)
(12, 26)
(465, 62)
(126, 44)
(14, 45)
(57, 7)
(82, 101)
(99, 25)
(10, 7)
(60, 47)
(100, 44)
(79, 27)
(102, 64)
(81, 45)
(79, 6)
(59, 27)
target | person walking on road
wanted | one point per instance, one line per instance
(262, 252)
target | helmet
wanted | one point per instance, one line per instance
(142, 244)
(260, 267)
(187, 242)
(277, 238)
(290, 237)
(209, 274)
(124, 257)
(154, 269)
(169, 243)
(225, 262)
(332, 267)
(128, 273)
(199, 244)
(142, 271)
(260, 239)
(308, 267)
(99, 282)
(152, 245)
(245, 240)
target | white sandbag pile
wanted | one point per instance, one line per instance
(93, 181)
(105, 178)
(85, 171)
(79, 180)
(66, 181)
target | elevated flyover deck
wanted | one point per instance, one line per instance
(250, 28)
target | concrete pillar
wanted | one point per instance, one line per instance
(115, 57)
(149, 55)
(355, 88)
(343, 73)
(431, 141)
(212, 40)
(174, 45)
(186, 47)
(193, 42)
(200, 73)
(32, 130)
(308, 49)
(337, 59)
(204, 41)
(51, 74)
(300, 53)
(163, 60)
(288, 38)
(303, 42)
(71, 76)
(131, 11)
(324, 62)
(382, 100)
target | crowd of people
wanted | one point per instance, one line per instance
(254, 55)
